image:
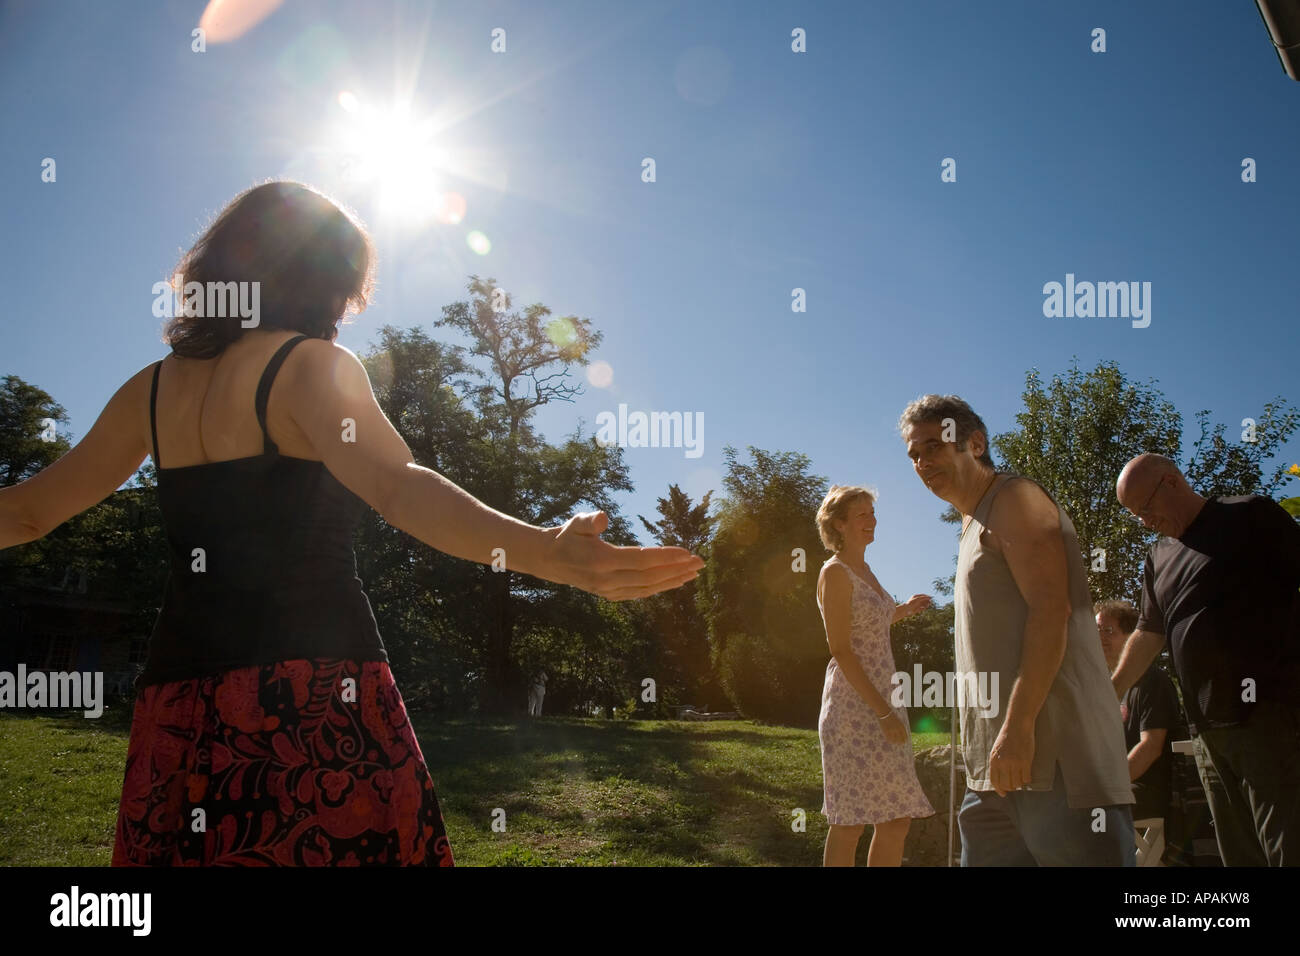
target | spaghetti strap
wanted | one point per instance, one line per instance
(264, 390)
(153, 418)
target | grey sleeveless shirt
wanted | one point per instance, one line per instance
(1079, 725)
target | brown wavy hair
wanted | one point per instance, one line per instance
(313, 260)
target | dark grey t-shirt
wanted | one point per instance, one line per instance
(1227, 596)
(1152, 704)
(1079, 725)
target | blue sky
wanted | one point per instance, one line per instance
(774, 170)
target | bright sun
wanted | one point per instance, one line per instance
(395, 154)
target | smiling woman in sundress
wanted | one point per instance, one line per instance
(866, 745)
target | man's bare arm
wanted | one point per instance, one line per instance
(1028, 529)
(1139, 652)
(1146, 752)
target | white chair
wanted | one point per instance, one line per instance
(1150, 834)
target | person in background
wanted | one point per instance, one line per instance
(537, 694)
(1152, 720)
(1222, 585)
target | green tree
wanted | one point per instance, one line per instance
(119, 544)
(1292, 505)
(1076, 434)
(682, 635)
(758, 590)
(428, 605)
(520, 361)
(595, 653)
(24, 449)
(442, 617)
(1221, 467)
(1079, 430)
(925, 639)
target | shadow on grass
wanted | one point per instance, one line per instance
(115, 720)
(716, 793)
(577, 791)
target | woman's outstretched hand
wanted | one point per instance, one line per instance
(580, 558)
(918, 603)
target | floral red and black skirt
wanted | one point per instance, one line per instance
(294, 763)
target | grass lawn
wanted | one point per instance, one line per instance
(574, 791)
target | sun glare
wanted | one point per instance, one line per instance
(396, 154)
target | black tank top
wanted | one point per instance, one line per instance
(276, 577)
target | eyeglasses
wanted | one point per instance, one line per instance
(1140, 515)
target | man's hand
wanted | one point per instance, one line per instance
(1011, 758)
(580, 558)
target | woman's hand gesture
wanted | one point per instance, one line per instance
(917, 604)
(580, 558)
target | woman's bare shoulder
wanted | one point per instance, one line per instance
(321, 364)
(834, 571)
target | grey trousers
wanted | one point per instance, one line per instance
(1251, 775)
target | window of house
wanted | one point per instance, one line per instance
(139, 650)
(59, 656)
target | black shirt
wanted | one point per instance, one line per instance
(1152, 704)
(278, 579)
(1227, 596)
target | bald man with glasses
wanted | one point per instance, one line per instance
(1222, 584)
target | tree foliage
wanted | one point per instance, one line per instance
(681, 633)
(1221, 467)
(758, 590)
(925, 639)
(23, 448)
(1077, 432)
(467, 410)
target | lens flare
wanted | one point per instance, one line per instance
(452, 208)
(600, 374)
(562, 332)
(226, 20)
(479, 242)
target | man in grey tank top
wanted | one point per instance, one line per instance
(1046, 768)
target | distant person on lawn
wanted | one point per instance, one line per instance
(1222, 584)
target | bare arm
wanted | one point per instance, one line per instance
(1139, 652)
(1027, 529)
(329, 384)
(96, 467)
(1146, 752)
(836, 592)
(917, 604)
